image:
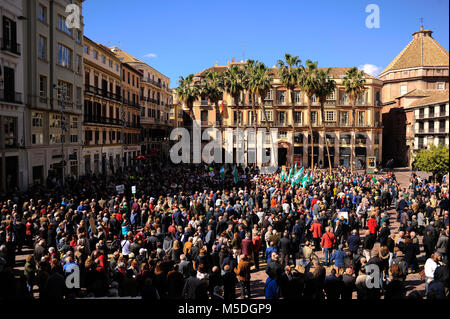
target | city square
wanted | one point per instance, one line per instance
(237, 180)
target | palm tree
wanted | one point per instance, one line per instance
(233, 85)
(354, 82)
(289, 78)
(307, 80)
(212, 89)
(325, 87)
(188, 91)
(261, 84)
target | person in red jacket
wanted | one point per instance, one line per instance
(327, 244)
(372, 224)
(316, 229)
(256, 246)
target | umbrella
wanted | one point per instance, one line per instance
(140, 157)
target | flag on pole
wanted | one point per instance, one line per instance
(310, 180)
(305, 180)
(282, 174)
(290, 175)
(222, 172)
(297, 177)
(295, 168)
(235, 175)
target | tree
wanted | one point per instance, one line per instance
(289, 77)
(434, 159)
(354, 82)
(188, 91)
(261, 85)
(233, 84)
(308, 82)
(325, 86)
(212, 87)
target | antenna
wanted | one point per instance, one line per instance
(243, 52)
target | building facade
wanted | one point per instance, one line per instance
(338, 121)
(428, 113)
(13, 165)
(154, 100)
(53, 70)
(422, 66)
(102, 121)
(131, 133)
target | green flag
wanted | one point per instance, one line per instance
(282, 174)
(305, 180)
(222, 172)
(310, 180)
(297, 177)
(235, 175)
(290, 175)
(295, 168)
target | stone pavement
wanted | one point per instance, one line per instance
(412, 282)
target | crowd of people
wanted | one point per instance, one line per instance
(187, 232)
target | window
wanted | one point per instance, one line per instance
(281, 97)
(55, 138)
(64, 56)
(37, 119)
(55, 121)
(360, 118)
(431, 111)
(282, 134)
(66, 89)
(95, 55)
(235, 117)
(442, 110)
(42, 13)
(298, 97)
(403, 89)
(86, 49)
(441, 86)
(344, 118)
(298, 117)
(251, 117)
(332, 96)
(73, 138)
(78, 96)
(269, 116)
(78, 64)
(110, 63)
(78, 36)
(74, 123)
(269, 95)
(37, 138)
(42, 86)
(282, 117)
(314, 117)
(330, 116)
(42, 48)
(117, 67)
(62, 26)
(103, 59)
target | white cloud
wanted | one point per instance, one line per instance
(370, 69)
(150, 55)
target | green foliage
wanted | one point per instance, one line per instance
(435, 159)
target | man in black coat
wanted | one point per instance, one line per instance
(284, 247)
(229, 284)
(274, 268)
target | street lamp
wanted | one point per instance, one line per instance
(123, 136)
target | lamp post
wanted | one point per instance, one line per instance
(123, 136)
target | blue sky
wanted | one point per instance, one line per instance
(179, 37)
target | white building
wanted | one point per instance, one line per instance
(13, 167)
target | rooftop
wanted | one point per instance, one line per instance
(422, 51)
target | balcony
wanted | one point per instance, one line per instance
(299, 124)
(102, 120)
(330, 102)
(148, 80)
(11, 142)
(101, 92)
(442, 130)
(10, 97)
(9, 46)
(360, 141)
(330, 124)
(345, 141)
(282, 124)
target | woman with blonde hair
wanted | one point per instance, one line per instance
(176, 251)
